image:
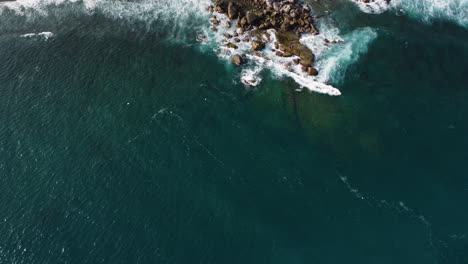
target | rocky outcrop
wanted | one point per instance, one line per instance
(251, 17)
(232, 10)
(289, 44)
(258, 45)
(237, 60)
(289, 18)
(289, 15)
(231, 45)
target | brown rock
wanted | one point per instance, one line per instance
(237, 60)
(312, 71)
(251, 18)
(285, 26)
(227, 35)
(243, 21)
(258, 45)
(232, 10)
(221, 6)
(232, 45)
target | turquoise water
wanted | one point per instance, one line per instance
(123, 140)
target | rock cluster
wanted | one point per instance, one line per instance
(290, 45)
(287, 15)
(289, 18)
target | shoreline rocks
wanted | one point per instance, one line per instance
(237, 60)
(288, 15)
(289, 18)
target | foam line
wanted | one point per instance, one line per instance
(44, 35)
(424, 10)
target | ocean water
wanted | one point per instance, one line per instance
(124, 140)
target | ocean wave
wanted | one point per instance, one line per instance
(280, 67)
(424, 10)
(42, 35)
(430, 10)
(184, 19)
(375, 7)
(176, 18)
(333, 62)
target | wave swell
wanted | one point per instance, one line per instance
(184, 19)
(424, 10)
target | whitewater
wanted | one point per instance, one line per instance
(424, 10)
(185, 19)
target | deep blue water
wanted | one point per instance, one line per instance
(123, 140)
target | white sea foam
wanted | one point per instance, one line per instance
(424, 10)
(177, 11)
(429, 10)
(26, 7)
(182, 17)
(42, 35)
(280, 66)
(376, 7)
(251, 76)
(333, 62)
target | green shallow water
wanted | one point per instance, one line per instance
(120, 145)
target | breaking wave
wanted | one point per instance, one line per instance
(424, 10)
(337, 59)
(430, 10)
(42, 35)
(184, 19)
(176, 18)
(333, 52)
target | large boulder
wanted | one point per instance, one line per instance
(307, 58)
(258, 45)
(312, 71)
(232, 10)
(251, 18)
(237, 60)
(221, 6)
(231, 45)
(243, 21)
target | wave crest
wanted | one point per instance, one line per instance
(424, 10)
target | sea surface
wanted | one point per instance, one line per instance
(124, 140)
